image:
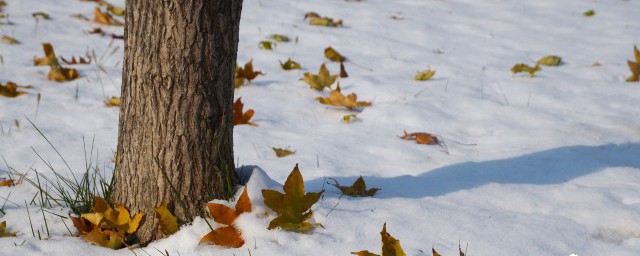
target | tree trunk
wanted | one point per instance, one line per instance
(176, 127)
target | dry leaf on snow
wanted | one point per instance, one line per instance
(634, 66)
(290, 65)
(281, 152)
(390, 245)
(239, 117)
(229, 235)
(359, 188)
(425, 75)
(521, 67)
(294, 206)
(334, 55)
(337, 99)
(3, 230)
(10, 40)
(56, 72)
(10, 90)
(321, 80)
(550, 60)
(105, 18)
(113, 102)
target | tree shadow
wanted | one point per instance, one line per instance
(553, 166)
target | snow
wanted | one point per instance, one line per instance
(556, 168)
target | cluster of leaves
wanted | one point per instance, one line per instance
(240, 117)
(108, 227)
(228, 235)
(56, 72)
(294, 206)
(316, 20)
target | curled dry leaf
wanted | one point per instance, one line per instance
(550, 60)
(337, 99)
(349, 118)
(229, 235)
(421, 138)
(425, 75)
(167, 221)
(359, 188)
(239, 117)
(343, 72)
(6, 182)
(334, 55)
(634, 66)
(316, 20)
(10, 90)
(10, 40)
(113, 102)
(321, 80)
(3, 230)
(390, 245)
(521, 67)
(105, 18)
(40, 15)
(294, 206)
(281, 152)
(290, 65)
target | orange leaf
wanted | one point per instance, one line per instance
(6, 182)
(337, 99)
(421, 138)
(247, 72)
(226, 236)
(225, 215)
(239, 117)
(82, 225)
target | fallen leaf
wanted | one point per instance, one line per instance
(521, 67)
(82, 225)
(267, 45)
(334, 55)
(3, 230)
(294, 206)
(107, 218)
(239, 117)
(425, 75)
(73, 61)
(113, 102)
(80, 17)
(348, 118)
(316, 20)
(10, 90)
(337, 99)
(56, 72)
(320, 81)
(6, 182)
(247, 71)
(105, 18)
(225, 236)
(359, 188)
(589, 13)
(41, 15)
(104, 238)
(10, 40)
(434, 252)
(225, 215)
(281, 152)
(634, 66)
(390, 245)
(166, 220)
(421, 138)
(596, 64)
(290, 65)
(550, 60)
(116, 11)
(279, 38)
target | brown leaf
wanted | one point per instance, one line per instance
(321, 80)
(56, 72)
(73, 60)
(247, 71)
(337, 99)
(104, 238)
(421, 138)
(105, 18)
(343, 72)
(333, 55)
(10, 90)
(3, 230)
(6, 182)
(280, 152)
(359, 188)
(10, 40)
(225, 236)
(434, 252)
(82, 225)
(239, 117)
(521, 67)
(290, 65)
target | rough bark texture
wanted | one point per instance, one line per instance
(176, 113)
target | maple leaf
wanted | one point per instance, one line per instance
(247, 71)
(106, 226)
(10, 90)
(521, 67)
(634, 66)
(104, 238)
(105, 18)
(290, 65)
(390, 245)
(334, 55)
(280, 152)
(321, 80)
(239, 117)
(229, 235)
(56, 72)
(550, 60)
(82, 225)
(168, 222)
(359, 188)
(425, 75)
(337, 99)
(10, 40)
(3, 230)
(294, 206)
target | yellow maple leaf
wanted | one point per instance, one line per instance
(337, 99)
(321, 80)
(390, 245)
(167, 221)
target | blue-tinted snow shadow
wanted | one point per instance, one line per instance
(552, 166)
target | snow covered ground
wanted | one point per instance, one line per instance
(556, 168)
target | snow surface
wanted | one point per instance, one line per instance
(556, 168)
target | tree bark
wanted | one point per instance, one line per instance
(176, 117)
